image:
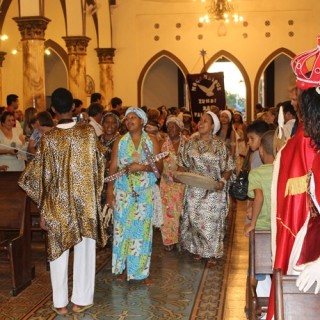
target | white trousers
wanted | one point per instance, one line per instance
(84, 269)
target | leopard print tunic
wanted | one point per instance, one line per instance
(65, 179)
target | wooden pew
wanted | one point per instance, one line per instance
(34, 214)
(15, 230)
(259, 263)
(290, 303)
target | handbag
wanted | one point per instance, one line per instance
(239, 188)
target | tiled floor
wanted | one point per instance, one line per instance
(33, 307)
(235, 295)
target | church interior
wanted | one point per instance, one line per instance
(142, 51)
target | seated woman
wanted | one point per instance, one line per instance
(11, 141)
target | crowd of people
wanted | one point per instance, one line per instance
(70, 152)
(76, 163)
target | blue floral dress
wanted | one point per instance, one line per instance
(133, 213)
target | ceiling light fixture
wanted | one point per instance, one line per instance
(220, 10)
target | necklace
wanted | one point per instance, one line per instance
(109, 141)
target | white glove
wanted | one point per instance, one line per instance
(309, 275)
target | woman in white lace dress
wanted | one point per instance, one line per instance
(11, 140)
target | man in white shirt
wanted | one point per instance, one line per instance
(13, 106)
(290, 117)
(95, 112)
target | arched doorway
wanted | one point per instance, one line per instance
(274, 78)
(162, 82)
(238, 89)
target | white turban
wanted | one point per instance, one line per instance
(216, 122)
(228, 113)
(111, 114)
(139, 112)
(175, 120)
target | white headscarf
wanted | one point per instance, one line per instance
(216, 122)
(111, 114)
(228, 113)
(175, 120)
(139, 112)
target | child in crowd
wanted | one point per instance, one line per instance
(259, 190)
(260, 186)
(254, 132)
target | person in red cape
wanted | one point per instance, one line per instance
(309, 259)
(298, 187)
(292, 206)
(295, 161)
(293, 230)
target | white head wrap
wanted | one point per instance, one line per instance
(176, 120)
(228, 113)
(216, 122)
(139, 112)
(111, 114)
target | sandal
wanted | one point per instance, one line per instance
(80, 309)
(60, 311)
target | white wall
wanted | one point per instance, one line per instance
(134, 38)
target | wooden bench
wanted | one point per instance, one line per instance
(260, 262)
(15, 240)
(290, 303)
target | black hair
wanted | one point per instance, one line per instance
(259, 107)
(228, 134)
(310, 109)
(95, 97)
(62, 100)
(94, 109)
(288, 107)
(11, 98)
(77, 103)
(258, 127)
(4, 116)
(45, 119)
(115, 101)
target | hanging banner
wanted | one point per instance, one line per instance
(206, 90)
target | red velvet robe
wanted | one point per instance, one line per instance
(310, 250)
(292, 210)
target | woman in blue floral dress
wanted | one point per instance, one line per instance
(132, 197)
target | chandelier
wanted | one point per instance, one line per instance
(220, 10)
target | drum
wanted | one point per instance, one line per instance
(196, 180)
